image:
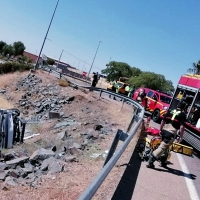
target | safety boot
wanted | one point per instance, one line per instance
(150, 162)
(163, 161)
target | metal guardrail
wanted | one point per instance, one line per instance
(127, 136)
(61, 75)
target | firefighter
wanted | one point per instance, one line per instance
(95, 79)
(141, 98)
(141, 95)
(169, 132)
(131, 92)
(127, 90)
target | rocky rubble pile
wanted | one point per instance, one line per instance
(40, 99)
(23, 170)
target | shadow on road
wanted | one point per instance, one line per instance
(176, 172)
(127, 183)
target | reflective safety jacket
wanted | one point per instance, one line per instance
(175, 113)
(116, 85)
(127, 88)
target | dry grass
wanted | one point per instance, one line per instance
(63, 83)
(4, 104)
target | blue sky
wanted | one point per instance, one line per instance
(161, 36)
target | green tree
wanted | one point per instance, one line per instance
(50, 61)
(153, 81)
(8, 50)
(115, 70)
(24, 59)
(18, 48)
(195, 69)
(2, 44)
(136, 71)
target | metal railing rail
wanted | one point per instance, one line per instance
(98, 180)
(113, 158)
(61, 75)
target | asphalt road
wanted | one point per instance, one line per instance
(189, 167)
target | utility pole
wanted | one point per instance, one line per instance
(59, 59)
(45, 36)
(94, 58)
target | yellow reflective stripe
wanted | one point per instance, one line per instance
(163, 112)
(175, 114)
(154, 101)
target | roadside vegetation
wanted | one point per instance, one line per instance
(114, 70)
(137, 77)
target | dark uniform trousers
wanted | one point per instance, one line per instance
(168, 136)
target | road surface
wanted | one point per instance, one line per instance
(180, 180)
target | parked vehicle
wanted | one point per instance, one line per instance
(188, 90)
(156, 103)
(121, 83)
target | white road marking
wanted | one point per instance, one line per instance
(189, 182)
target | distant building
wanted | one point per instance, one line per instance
(62, 66)
(32, 56)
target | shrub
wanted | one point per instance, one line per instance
(63, 83)
(13, 67)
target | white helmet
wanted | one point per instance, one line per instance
(142, 90)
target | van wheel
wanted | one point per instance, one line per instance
(156, 116)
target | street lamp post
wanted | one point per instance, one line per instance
(46, 36)
(94, 58)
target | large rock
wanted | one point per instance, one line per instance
(28, 168)
(69, 98)
(3, 166)
(74, 151)
(10, 181)
(17, 160)
(8, 156)
(3, 175)
(14, 173)
(41, 154)
(53, 115)
(55, 167)
(52, 164)
(46, 163)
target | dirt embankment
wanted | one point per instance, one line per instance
(88, 110)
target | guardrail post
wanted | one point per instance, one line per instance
(113, 147)
(135, 115)
(100, 93)
(123, 100)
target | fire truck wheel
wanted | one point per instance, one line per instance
(156, 116)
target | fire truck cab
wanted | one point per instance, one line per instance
(188, 90)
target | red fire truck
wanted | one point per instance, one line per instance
(188, 90)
